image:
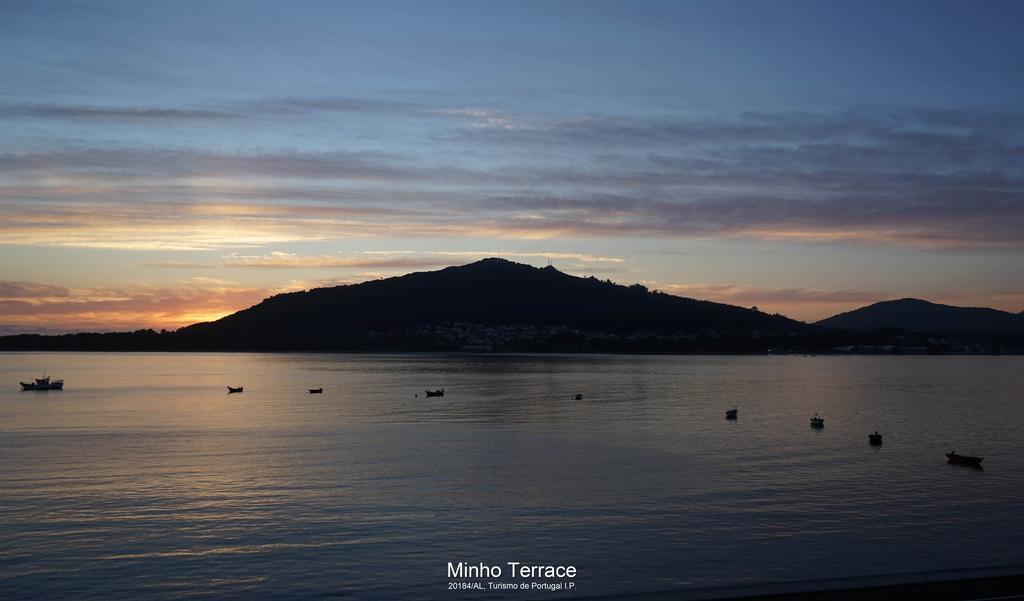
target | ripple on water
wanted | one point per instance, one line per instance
(164, 487)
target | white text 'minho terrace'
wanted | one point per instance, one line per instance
(517, 569)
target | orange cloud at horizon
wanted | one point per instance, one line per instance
(30, 306)
(233, 225)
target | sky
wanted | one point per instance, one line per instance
(166, 163)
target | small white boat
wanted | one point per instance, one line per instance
(43, 383)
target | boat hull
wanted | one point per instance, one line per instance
(58, 385)
(964, 459)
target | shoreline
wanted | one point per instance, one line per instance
(1002, 587)
(809, 355)
(994, 587)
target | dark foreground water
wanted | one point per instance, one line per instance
(144, 479)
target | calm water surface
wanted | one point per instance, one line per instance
(145, 479)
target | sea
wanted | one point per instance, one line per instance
(144, 478)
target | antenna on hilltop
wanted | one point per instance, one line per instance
(549, 261)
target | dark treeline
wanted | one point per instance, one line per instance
(817, 340)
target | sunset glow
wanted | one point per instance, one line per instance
(788, 165)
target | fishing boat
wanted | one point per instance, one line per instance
(232, 390)
(817, 422)
(577, 397)
(875, 439)
(964, 459)
(43, 383)
(439, 392)
(316, 390)
(731, 413)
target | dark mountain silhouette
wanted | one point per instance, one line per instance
(488, 294)
(916, 315)
(498, 305)
(491, 304)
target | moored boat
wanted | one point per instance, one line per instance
(817, 422)
(731, 413)
(439, 392)
(316, 390)
(875, 439)
(954, 457)
(43, 383)
(232, 389)
(578, 396)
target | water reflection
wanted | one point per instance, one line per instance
(143, 478)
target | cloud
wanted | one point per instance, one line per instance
(809, 304)
(123, 164)
(481, 254)
(813, 304)
(992, 219)
(148, 114)
(139, 114)
(246, 109)
(194, 226)
(396, 259)
(329, 104)
(22, 290)
(483, 118)
(176, 264)
(121, 308)
(282, 260)
(751, 295)
(917, 129)
(142, 226)
(993, 222)
(908, 177)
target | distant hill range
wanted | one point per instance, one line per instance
(498, 305)
(492, 304)
(921, 316)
